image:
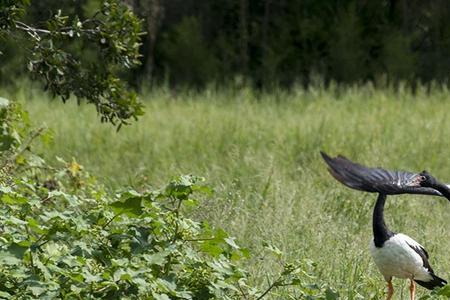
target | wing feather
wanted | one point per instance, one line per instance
(423, 255)
(375, 180)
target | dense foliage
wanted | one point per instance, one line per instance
(78, 56)
(63, 236)
(280, 42)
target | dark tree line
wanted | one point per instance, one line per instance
(281, 42)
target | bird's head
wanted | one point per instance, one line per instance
(426, 180)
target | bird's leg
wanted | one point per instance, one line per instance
(412, 290)
(390, 290)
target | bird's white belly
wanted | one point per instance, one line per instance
(397, 259)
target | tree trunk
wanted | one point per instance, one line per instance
(243, 24)
(154, 11)
(264, 39)
(405, 16)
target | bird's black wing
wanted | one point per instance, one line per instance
(422, 252)
(376, 180)
(435, 281)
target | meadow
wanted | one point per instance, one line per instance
(260, 153)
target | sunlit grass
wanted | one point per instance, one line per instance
(260, 152)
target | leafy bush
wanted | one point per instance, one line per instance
(63, 235)
(58, 48)
(87, 245)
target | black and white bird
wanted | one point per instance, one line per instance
(395, 254)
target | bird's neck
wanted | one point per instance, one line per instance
(443, 189)
(381, 233)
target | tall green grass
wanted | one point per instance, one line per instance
(261, 154)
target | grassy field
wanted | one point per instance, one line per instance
(261, 155)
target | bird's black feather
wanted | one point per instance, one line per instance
(435, 281)
(424, 255)
(376, 180)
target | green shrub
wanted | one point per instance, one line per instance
(64, 236)
(79, 57)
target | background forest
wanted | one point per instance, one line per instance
(214, 187)
(269, 43)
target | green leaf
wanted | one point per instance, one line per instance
(36, 287)
(5, 295)
(160, 296)
(13, 199)
(245, 252)
(5, 189)
(9, 260)
(131, 207)
(16, 221)
(203, 189)
(444, 291)
(156, 259)
(211, 248)
(191, 203)
(220, 234)
(230, 241)
(18, 250)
